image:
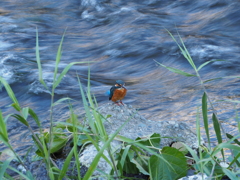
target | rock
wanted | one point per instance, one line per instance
(21, 168)
(137, 126)
(179, 131)
(87, 156)
(198, 176)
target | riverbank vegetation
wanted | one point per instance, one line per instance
(142, 155)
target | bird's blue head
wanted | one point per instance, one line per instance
(120, 82)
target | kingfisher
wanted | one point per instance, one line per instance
(118, 92)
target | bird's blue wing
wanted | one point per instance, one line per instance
(111, 92)
(107, 93)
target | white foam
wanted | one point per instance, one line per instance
(89, 2)
(5, 72)
(4, 45)
(86, 15)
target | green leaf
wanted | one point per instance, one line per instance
(40, 151)
(235, 160)
(66, 165)
(227, 145)
(229, 136)
(40, 78)
(205, 117)
(226, 77)
(34, 116)
(174, 166)
(3, 130)
(187, 56)
(230, 174)
(128, 166)
(141, 163)
(108, 116)
(61, 100)
(178, 71)
(82, 139)
(124, 155)
(204, 64)
(4, 166)
(152, 140)
(58, 57)
(58, 144)
(211, 79)
(21, 119)
(11, 94)
(25, 112)
(87, 109)
(69, 126)
(217, 130)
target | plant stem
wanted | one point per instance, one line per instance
(51, 127)
(113, 162)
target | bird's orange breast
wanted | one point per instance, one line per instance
(119, 94)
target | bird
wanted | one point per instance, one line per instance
(118, 92)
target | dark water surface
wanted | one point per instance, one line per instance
(122, 38)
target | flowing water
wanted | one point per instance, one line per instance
(123, 38)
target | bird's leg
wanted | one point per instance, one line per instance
(117, 103)
(121, 102)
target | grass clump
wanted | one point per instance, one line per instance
(207, 161)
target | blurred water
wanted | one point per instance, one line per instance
(123, 38)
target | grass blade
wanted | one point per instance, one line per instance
(217, 128)
(124, 155)
(21, 119)
(205, 117)
(75, 140)
(88, 114)
(61, 100)
(204, 64)
(26, 177)
(217, 131)
(235, 160)
(39, 62)
(178, 71)
(64, 72)
(225, 77)
(58, 57)
(66, 164)
(25, 112)
(11, 94)
(230, 174)
(199, 139)
(35, 117)
(183, 50)
(4, 167)
(3, 129)
(235, 140)
(189, 58)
